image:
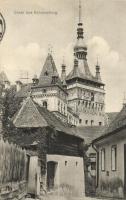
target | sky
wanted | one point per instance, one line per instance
(33, 25)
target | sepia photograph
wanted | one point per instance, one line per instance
(62, 99)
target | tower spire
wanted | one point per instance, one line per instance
(79, 11)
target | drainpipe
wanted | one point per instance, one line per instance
(97, 177)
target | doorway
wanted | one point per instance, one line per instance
(51, 171)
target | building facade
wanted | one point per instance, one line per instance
(111, 158)
(78, 97)
(55, 150)
(85, 91)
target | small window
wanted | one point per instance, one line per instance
(93, 165)
(114, 158)
(65, 163)
(100, 123)
(44, 90)
(76, 163)
(45, 104)
(86, 122)
(103, 159)
(80, 121)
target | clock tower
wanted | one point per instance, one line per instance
(85, 91)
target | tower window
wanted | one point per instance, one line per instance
(92, 122)
(80, 121)
(44, 90)
(86, 122)
(76, 163)
(45, 104)
(92, 96)
(100, 123)
(86, 104)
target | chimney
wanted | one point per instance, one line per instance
(19, 85)
(35, 80)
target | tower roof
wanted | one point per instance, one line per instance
(3, 77)
(80, 52)
(31, 115)
(49, 70)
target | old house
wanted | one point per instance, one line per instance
(111, 158)
(55, 150)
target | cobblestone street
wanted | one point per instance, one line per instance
(63, 198)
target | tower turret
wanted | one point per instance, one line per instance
(63, 72)
(98, 76)
(35, 80)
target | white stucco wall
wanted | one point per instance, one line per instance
(119, 172)
(34, 176)
(72, 173)
(118, 139)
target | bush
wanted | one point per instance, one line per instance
(111, 185)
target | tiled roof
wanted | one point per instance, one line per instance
(49, 70)
(76, 72)
(89, 133)
(24, 91)
(31, 115)
(83, 72)
(118, 123)
(111, 116)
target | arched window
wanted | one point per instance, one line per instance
(45, 104)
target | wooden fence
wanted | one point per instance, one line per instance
(12, 163)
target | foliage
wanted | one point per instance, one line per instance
(12, 163)
(66, 190)
(111, 185)
(11, 105)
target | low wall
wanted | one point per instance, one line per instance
(12, 191)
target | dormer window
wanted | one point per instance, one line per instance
(46, 73)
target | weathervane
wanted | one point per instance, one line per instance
(79, 11)
(2, 27)
(50, 49)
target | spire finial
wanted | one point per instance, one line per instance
(97, 61)
(50, 49)
(63, 60)
(79, 11)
